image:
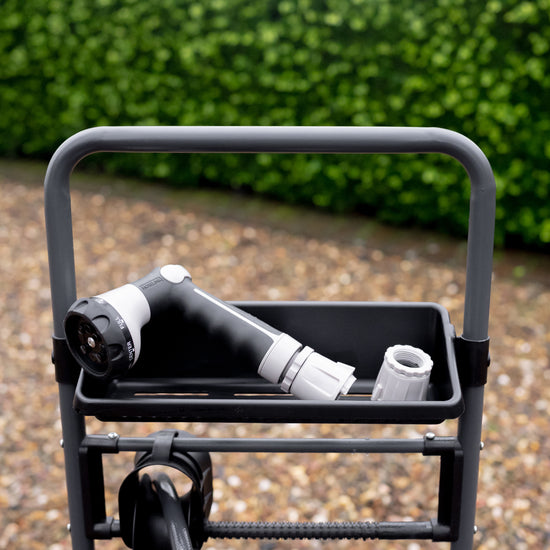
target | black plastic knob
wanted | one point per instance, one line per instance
(99, 338)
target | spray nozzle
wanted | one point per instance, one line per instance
(104, 334)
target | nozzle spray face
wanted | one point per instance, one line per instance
(104, 332)
(99, 338)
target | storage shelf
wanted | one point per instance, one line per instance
(184, 383)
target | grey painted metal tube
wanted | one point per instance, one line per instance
(285, 139)
(469, 435)
(261, 445)
(73, 433)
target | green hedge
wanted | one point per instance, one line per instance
(480, 68)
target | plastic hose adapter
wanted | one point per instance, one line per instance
(404, 375)
(314, 376)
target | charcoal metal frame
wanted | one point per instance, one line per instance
(442, 528)
(472, 346)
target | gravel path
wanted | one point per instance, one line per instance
(239, 248)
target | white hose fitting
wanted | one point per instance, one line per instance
(314, 376)
(305, 373)
(404, 375)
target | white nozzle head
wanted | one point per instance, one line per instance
(321, 378)
(404, 375)
(133, 308)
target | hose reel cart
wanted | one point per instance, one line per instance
(196, 386)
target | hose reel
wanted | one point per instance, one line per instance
(149, 506)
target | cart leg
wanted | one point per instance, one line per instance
(73, 433)
(469, 435)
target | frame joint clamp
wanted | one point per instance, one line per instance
(473, 360)
(66, 368)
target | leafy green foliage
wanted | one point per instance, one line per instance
(480, 68)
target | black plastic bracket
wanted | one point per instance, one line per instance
(91, 452)
(67, 369)
(104, 530)
(473, 360)
(450, 485)
(93, 491)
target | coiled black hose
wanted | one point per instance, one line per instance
(178, 531)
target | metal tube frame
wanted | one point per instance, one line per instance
(244, 139)
(443, 528)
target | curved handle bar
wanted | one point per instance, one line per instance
(284, 139)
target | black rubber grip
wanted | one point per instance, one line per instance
(330, 530)
(243, 335)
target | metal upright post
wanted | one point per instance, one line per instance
(475, 338)
(469, 435)
(63, 289)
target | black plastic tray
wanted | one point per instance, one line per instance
(180, 377)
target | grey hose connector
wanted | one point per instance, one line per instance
(404, 375)
(308, 374)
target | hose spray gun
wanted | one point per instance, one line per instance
(104, 334)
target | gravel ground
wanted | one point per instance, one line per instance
(241, 248)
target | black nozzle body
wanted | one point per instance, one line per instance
(104, 334)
